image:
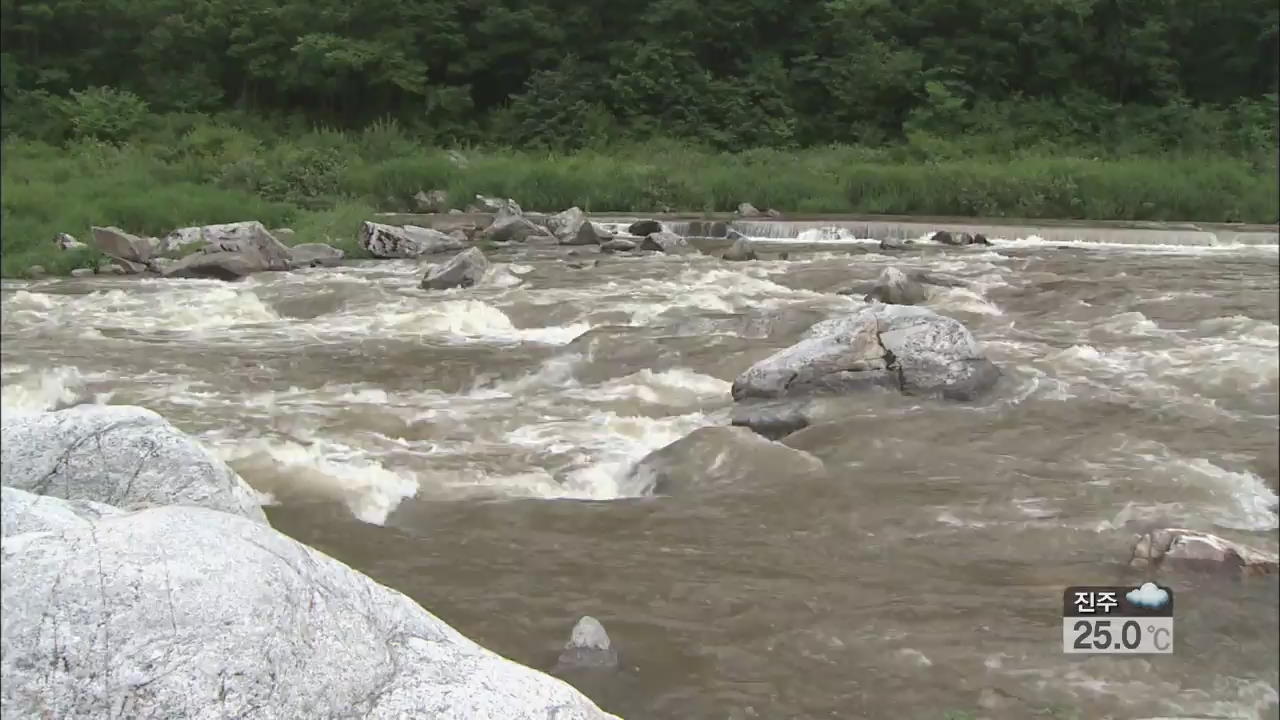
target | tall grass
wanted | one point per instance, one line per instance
(323, 183)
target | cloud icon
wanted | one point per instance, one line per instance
(1148, 596)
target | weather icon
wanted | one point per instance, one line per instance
(1148, 596)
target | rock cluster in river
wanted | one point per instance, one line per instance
(139, 582)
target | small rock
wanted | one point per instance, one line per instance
(484, 204)
(64, 241)
(773, 213)
(455, 211)
(644, 228)
(107, 267)
(36, 271)
(463, 270)
(667, 242)
(772, 420)
(895, 288)
(1195, 550)
(980, 239)
(315, 255)
(436, 201)
(82, 272)
(895, 244)
(618, 245)
(588, 647)
(747, 210)
(160, 265)
(740, 251)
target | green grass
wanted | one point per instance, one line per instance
(323, 183)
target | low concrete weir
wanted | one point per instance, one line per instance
(830, 229)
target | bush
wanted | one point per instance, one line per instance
(105, 113)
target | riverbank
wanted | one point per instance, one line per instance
(324, 184)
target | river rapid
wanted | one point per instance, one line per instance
(470, 448)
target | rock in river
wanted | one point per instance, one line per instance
(711, 456)
(644, 228)
(410, 241)
(187, 612)
(314, 255)
(566, 224)
(740, 251)
(905, 348)
(509, 226)
(588, 647)
(1197, 550)
(667, 242)
(128, 457)
(462, 271)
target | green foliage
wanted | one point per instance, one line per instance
(105, 113)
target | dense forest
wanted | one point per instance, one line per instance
(154, 114)
(728, 73)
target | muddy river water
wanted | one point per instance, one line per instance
(470, 448)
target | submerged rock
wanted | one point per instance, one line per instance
(186, 612)
(618, 245)
(895, 288)
(588, 647)
(740, 251)
(409, 241)
(124, 456)
(463, 270)
(910, 349)
(1197, 550)
(314, 255)
(215, 266)
(895, 244)
(666, 242)
(773, 420)
(711, 456)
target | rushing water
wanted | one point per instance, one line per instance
(469, 448)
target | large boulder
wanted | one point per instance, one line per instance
(214, 266)
(513, 227)
(119, 244)
(462, 271)
(910, 349)
(616, 245)
(565, 224)
(644, 228)
(716, 456)
(392, 241)
(667, 242)
(184, 612)
(894, 287)
(589, 233)
(1195, 550)
(249, 236)
(124, 456)
(947, 237)
(314, 255)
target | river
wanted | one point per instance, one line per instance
(468, 448)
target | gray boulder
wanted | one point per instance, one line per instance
(740, 251)
(896, 244)
(436, 201)
(644, 228)
(565, 225)
(589, 233)
(314, 255)
(747, 210)
(666, 242)
(959, 239)
(772, 419)
(183, 612)
(249, 238)
(283, 234)
(512, 227)
(462, 271)
(1195, 550)
(124, 456)
(894, 287)
(588, 647)
(615, 245)
(215, 266)
(910, 349)
(392, 241)
(119, 244)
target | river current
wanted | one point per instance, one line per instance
(470, 448)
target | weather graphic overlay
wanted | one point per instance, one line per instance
(1118, 620)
